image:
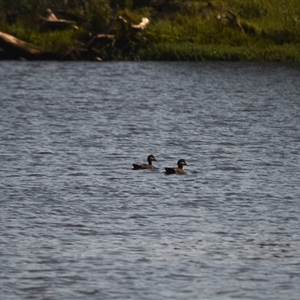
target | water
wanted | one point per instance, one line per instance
(77, 223)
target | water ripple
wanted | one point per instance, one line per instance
(77, 222)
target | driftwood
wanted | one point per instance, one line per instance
(233, 21)
(51, 22)
(18, 49)
(141, 26)
(46, 24)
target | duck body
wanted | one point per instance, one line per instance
(177, 170)
(149, 165)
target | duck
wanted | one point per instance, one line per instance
(149, 165)
(178, 169)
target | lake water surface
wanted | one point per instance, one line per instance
(77, 223)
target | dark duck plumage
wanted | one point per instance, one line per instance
(178, 169)
(149, 165)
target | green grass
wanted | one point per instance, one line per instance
(58, 41)
(271, 32)
(196, 52)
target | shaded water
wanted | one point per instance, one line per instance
(77, 223)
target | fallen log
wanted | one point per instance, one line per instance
(142, 25)
(59, 24)
(18, 49)
(233, 21)
(51, 22)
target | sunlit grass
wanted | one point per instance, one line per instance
(58, 41)
(268, 31)
(194, 52)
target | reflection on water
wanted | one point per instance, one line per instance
(77, 222)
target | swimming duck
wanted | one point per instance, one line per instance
(178, 169)
(145, 166)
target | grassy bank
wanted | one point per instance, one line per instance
(234, 30)
(192, 52)
(237, 30)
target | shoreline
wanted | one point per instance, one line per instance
(196, 31)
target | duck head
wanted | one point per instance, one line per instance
(150, 159)
(181, 163)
